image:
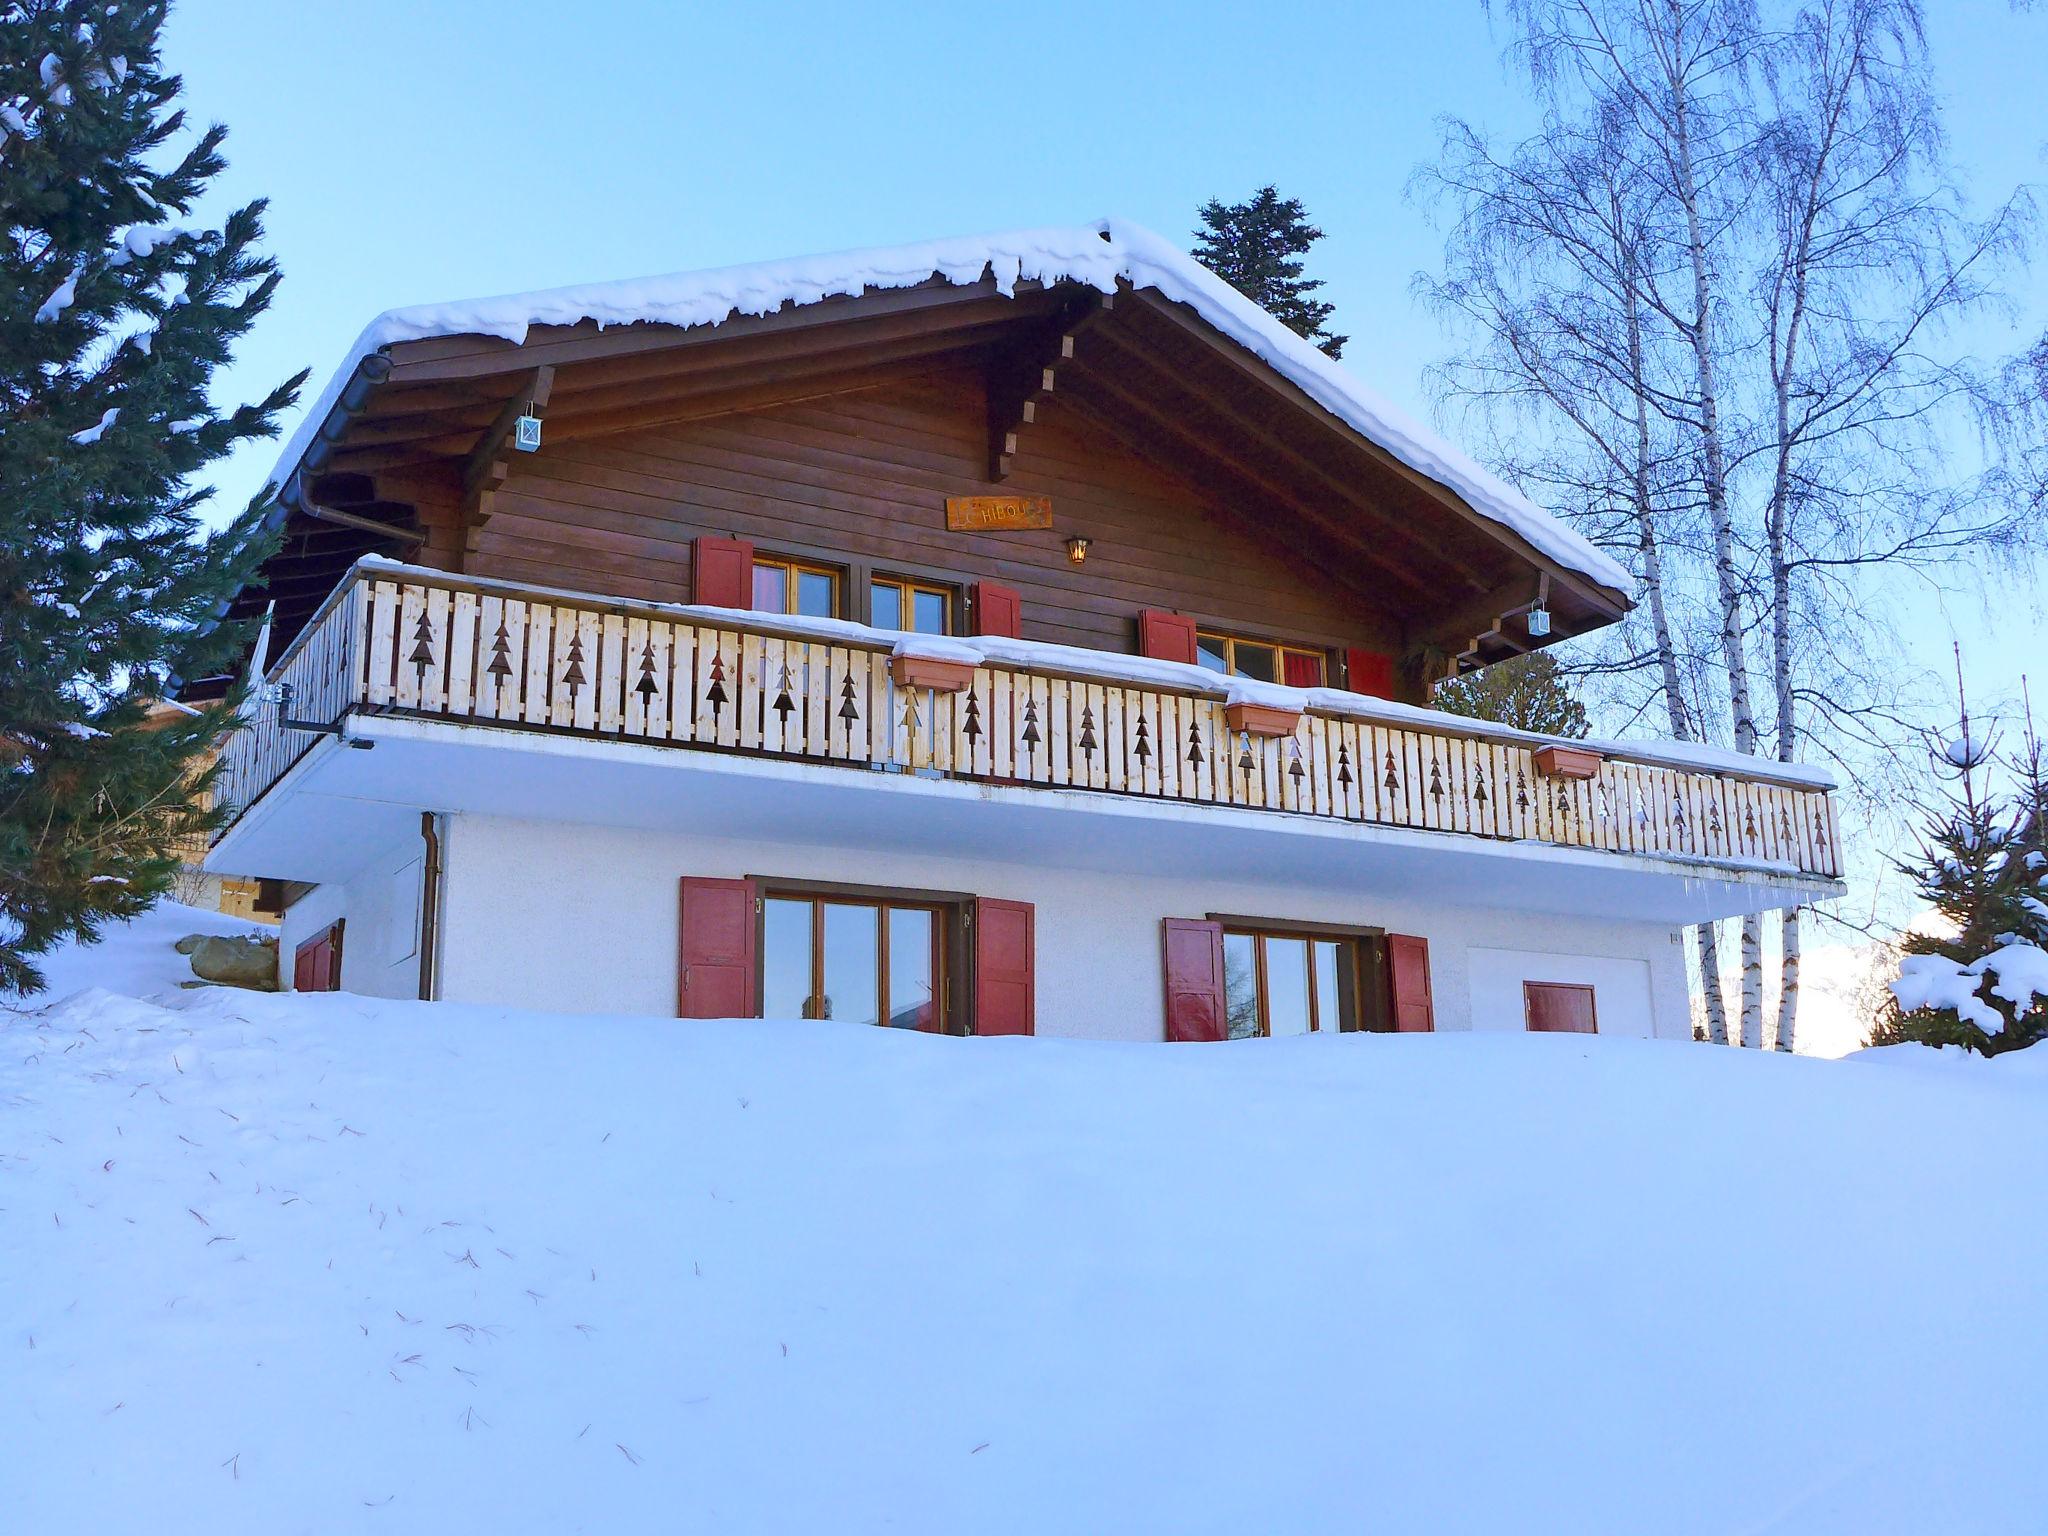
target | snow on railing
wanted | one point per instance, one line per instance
(402, 640)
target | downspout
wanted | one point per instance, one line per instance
(430, 907)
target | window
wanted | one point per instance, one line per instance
(1260, 659)
(1558, 1008)
(861, 961)
(920, 607)
(1289, 984)
(794, 586)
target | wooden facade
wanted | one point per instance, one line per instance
(1200, 481)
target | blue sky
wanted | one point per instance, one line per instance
(414, 152)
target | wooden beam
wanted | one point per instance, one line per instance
(1020, 386)
(341, 519)
(487, 460)
(1464, 632)
(490, 461)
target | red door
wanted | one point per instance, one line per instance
(316, 964)
(1408, 963)
(1558, 1008)
(1196, 1008)
(1005, 993)
(717, 950)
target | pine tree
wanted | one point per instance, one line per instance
(113, 318)
(1256, 246)
(1984, 869)
(1529, 692)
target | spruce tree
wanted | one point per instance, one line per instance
(1984, 869)
(1256, 246)
(1529, 692)
(114, 314)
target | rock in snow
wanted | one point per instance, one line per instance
(324, 1263)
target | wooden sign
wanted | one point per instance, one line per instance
(988, 514)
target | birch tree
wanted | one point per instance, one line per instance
(1866, 259)
(1560, 258)
(1721, 284)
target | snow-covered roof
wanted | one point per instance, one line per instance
(1098, 255)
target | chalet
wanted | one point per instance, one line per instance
(1012, 634)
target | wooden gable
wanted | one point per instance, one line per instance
(1205, 482)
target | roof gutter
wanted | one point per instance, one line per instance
(370, 371)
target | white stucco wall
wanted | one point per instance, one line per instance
(1623, 1000)
(584, 919)
(381, 936)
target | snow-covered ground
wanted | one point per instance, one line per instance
(326, 1264)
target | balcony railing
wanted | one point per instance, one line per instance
(403, 641)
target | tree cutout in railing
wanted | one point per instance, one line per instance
(1479, 786)
(1195, 754)
(1030, 738)
(716, 695)
(1087, 742)
(1820, 834)
(1392, 782)
(849, 712)
(1749, 825)
(1785, 822)
(1344, 766)
(784, 704)
(1566, 806)
(1521, 791)
(572, 675)
(1141, 749)
(1294, 769)
(1713, 819)
(647, 687)
(1436, 778)
(422, 656)
(910, 721)
(501, 654)
(1246, 761)
(971, 726)
(1679, 829)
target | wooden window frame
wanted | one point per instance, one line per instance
(907, 586)
(1281, 650)
(949, 936)
(1592, 1004)
(1258, 930)
(793, 565)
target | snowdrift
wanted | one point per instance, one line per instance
(328, 1264)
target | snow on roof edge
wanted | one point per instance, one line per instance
(1097, 255)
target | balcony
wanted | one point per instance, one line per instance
(414, 652)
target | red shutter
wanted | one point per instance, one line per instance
(316, 964)
(723, 572)
(1196, 1008)
(1005, 995)
(1166, 636)
(996, 610)
(1408, 961)
(1369, 672)
(717, 951)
